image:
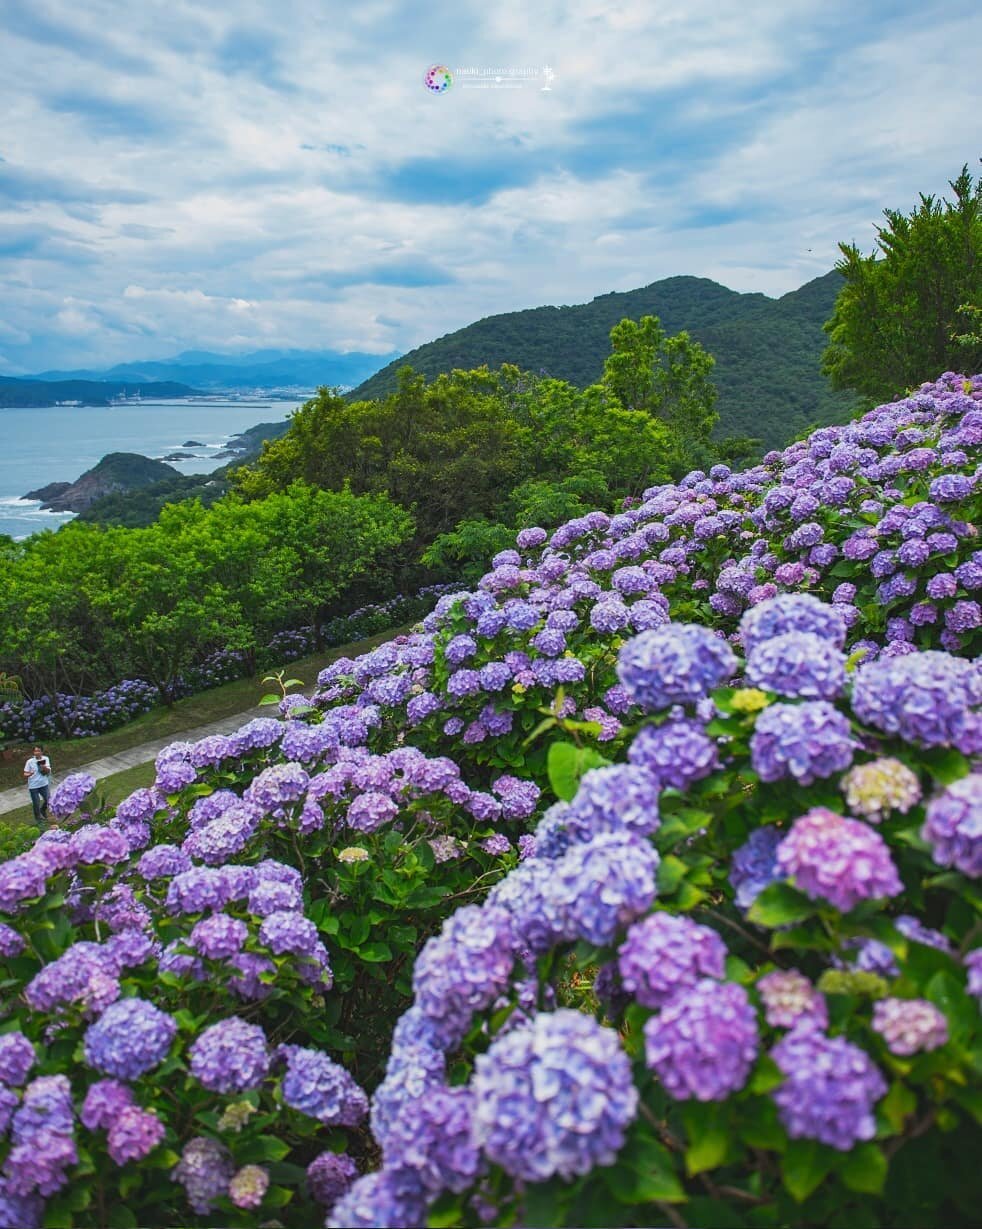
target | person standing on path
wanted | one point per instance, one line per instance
(37, 772)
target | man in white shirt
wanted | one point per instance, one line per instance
(37, 772)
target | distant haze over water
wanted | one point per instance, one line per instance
(59, 443)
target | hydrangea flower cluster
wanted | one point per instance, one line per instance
(837, 859)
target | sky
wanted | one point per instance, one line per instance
(279, 175)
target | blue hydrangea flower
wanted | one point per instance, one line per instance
(553, 1097)
(317, 1086)
(928, 698)
(829, 1090)
(798, 664)
(676, 753)
(664, 953)
(676, 664)
(802, 741)
(230, 1056)
(129, 1039)
(755, 866)
(953, 826)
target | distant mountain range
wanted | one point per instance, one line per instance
(767, 350)
(34, 391)
(238, 372)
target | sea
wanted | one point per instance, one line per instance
(59, 443)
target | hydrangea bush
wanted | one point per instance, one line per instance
(636, 886)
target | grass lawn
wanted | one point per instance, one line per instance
(67, 755)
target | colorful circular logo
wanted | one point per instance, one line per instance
(438, 79)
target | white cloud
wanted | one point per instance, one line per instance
(162, 152)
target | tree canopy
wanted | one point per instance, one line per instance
(905, 312)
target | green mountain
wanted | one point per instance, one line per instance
(767, 350)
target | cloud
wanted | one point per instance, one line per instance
(192, 175)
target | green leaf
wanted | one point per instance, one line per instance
(707, 1128)
(779, 904)
(270, 698)
(865, 1169)
(566, 763)
(671, 872)
(946, 764)
(767, 1075)
(804, 1164)
(897, 1106)
(375, 952)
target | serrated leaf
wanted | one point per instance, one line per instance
(671, 872)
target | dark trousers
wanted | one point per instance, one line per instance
(39, 801)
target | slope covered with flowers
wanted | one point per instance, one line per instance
(638, 886)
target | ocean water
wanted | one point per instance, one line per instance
(59, 443)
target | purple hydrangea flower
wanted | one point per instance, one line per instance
(928, 698)
(677, 753)
(133, 1134)
(840, 860)
(433, 1137)
(553, 1097)
(67, 797)
(129, 1039)
(219, 936)
(162, 862)
(318, 1087)
(664, 953)
(792, 612)
(599, 886)
(370, 811)
(17, 1057)
(329, 1176)
(829, 1089)
(104, 1102)
(230, 1056)
(676, 664)
(802, 741)
(798, 664)
(755, 865)
(703, 1042)
(518, 797)
(389, 1197)
(953, 827)
(619, 798)
(204, 1170)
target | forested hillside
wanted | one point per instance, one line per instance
(767, 351)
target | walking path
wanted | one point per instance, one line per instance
(13, 799)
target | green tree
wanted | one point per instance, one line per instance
(667, 377)
(900, 319)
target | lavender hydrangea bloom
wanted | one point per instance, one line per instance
(789, 998)
(104, 1102)
(42, 1133)
(464, 968)
(163, 862)
(518, 797)
(130, 1038)
(676, 664)
(802, 741)
(703, 1042)
(230, 1056)
(829, 1090)
(222, 838)
(597, 887)
(320, 1088)
(329, 1176)
(370, 811)
(798, 664)
(133, 1134)
(840, 860)
(910, 1026)
(67, 797)
(11, 943)
(928, 698)
(792, 612)
(615, 798)
(973, 962)
(664, 953)
(755, 865)
(553, 1097)
(433, 1137)
(953, 827)
(387, 1199)
(219, 936)
(676, 753)
(204, 1170)
(17, 1057)
(94, 844)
